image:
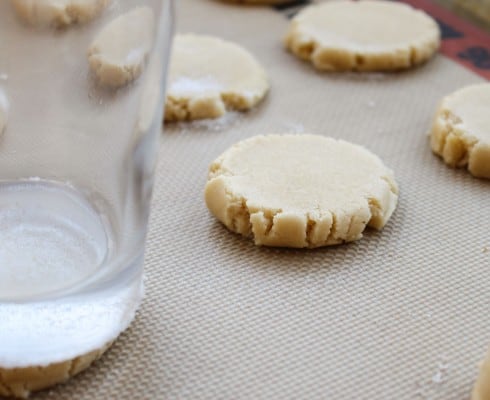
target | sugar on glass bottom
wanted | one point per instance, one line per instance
(51, 239)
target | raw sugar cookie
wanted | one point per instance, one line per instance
(460, 132)
(366, 35)
(20, 382)
(300, 190)
(119, 52)
(58, 13)
(48, 342)
(208, 76)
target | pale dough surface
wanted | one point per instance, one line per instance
(300, 190)
(368, 35)
(460, 131)
(118, 53)
(58, 13)
(481, 390)
(21, 382)
(208, 76)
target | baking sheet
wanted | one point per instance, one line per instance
(401, 314)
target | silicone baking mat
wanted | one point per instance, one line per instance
(401, 314)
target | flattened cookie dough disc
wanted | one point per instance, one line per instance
(366, 35)
(300, 190)
(58, 13)
(47, 342)
(20, 382)
(481, 390)
(208, 76)
(119, 52)
(460, 132)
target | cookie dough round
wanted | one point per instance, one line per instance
(481, 390)
(460, 132)
(119, 52)
(58, 13)
(366, 35)
(300, 190)
(208, 76)
(20, 382)
(50, 341)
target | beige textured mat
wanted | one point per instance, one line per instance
(401, 314)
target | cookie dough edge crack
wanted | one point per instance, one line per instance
(187, 108)
(56, 373)
(306, 231)
(61, 16)
(451, 143)
(111, 74)
(340, 59)
(299, 44)
(4, 388)
(22, 388)
(381, 211)
(73, 12)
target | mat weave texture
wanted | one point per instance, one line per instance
(401, 314)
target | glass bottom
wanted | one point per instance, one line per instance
(51, 239)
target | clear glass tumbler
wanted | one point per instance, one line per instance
(82, 86)
(77, 150)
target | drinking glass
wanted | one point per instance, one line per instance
(77, 157)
